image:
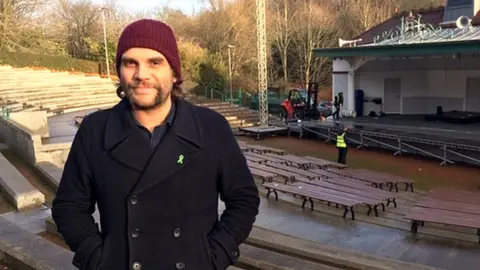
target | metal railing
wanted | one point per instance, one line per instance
(210, 93)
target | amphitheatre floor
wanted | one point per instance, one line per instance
(62, 127)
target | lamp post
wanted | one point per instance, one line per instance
(230, 47)
(104, 9)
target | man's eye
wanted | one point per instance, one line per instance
(129, 63)
(156, 62)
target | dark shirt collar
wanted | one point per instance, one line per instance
(169, 120)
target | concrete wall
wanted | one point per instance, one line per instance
(20, 139)
(421, 90)
(35, 121)
(55, 153)
(28, 144)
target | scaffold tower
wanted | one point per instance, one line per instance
(262, 63)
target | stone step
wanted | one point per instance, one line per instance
(57, 96)
(77, 103)
(16, 187)
(317, 252)
(62, 89)
(61, 100)
(70, 109)
(22, 84)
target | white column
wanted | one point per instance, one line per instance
(350, 97)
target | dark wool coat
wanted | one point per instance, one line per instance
(158, 207)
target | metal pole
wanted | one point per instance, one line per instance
(105, 41)
(230, 71)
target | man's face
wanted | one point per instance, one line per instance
(146, 77)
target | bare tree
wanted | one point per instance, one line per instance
(16, 25)
(315, 29)
(282, 29)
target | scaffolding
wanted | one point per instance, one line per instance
(446, 151)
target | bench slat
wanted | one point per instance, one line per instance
(443, 217)
(292, 169)
(339, 193)
(312, 194)
(449, 206)
(270, 170)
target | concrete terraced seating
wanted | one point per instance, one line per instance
(236, 115)
(447, 206)
(25, 89)
(16, 188)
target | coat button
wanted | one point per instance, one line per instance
(135, 233)
(133, 200)
(234, 253)
(180, 265)
(136, 266)
(177, 232)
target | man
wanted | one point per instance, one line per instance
(342, 145)
(336, 105)
(155, 166)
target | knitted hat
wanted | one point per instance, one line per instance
(153, 35)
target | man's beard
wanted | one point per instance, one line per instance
(160, 98)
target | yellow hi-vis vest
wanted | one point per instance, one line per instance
(341, 140)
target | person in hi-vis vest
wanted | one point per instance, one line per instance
(342, 145)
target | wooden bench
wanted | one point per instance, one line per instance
(265, 176)
(326, 163)
(462, 207)
(419, 215)
(242, 143)
(309, 195)
(286, 175)
(263, 150)
(244, 148)
(254, 159)
(371, 194)
(293, 160)
(393, 179)
(267, 158)
(359, 186)
(371, 203)
(308, 174)
(455, 195)
(324, 173)
(378, 183)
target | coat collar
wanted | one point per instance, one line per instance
(178, 149)
(185, 124)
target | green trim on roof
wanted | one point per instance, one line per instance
(415, 49)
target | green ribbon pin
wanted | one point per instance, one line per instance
(180, 159)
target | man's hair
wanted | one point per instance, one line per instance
(177, 91)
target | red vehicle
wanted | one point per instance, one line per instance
(298, 106)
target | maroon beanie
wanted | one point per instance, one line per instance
(151, 34)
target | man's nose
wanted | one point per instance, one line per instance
(142, 73)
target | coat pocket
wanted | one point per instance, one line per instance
(103, 257)
(208, 251)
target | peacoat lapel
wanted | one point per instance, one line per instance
(179, 147)
(123, 140)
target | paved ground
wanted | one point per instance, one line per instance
(62, 127)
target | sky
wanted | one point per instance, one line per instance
(187, 6)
